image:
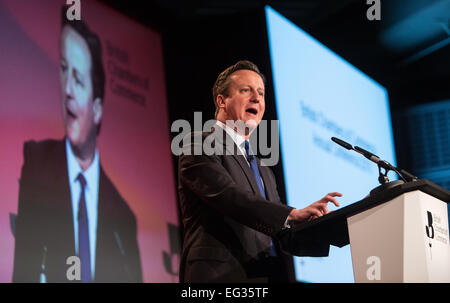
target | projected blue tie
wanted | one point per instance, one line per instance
(254, 166)
(83, 234)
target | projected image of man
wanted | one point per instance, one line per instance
(67, 204)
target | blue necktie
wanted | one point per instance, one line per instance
(254, 167)
(83, 234)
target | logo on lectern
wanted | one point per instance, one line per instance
(429, 229)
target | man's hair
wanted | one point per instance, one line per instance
(95, 49)
(222, 83)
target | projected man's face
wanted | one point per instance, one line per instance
(81, 112)
(245, 100)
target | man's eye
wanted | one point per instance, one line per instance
(78, 81)
(63, 67)
(245, 90)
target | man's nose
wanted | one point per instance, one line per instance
(256, 97)
(68, 89)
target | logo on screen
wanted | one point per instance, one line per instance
(74, 11)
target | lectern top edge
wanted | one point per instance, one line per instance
(425, 186)
(332, 228)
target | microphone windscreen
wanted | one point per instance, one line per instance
(342, 143)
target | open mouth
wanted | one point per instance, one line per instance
(70, 113)
(252, 111)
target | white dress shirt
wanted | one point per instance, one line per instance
(92, 175)
(239, 140)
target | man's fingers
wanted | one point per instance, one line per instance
(335, 202)
(329, 198)
(322, 208)
(314, 212)
(335, 194)
(312, 218)
(319, 208)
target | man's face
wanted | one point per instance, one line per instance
(245, 100)
(81, 113)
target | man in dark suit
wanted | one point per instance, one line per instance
(67, 205)
(229, 202)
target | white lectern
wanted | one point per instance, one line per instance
(397, 235)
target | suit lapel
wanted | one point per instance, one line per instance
(230, 148)
(61, 204)
(268, 184)
(102, 223)
(107, 251)
(58, 238)
(248, 172)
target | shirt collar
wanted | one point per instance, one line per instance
(238, 139)
(91, 174)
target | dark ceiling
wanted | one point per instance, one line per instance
(407, 51)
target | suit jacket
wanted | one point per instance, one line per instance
(228, 225)
(44, 227)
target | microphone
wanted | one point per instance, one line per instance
(357, 149)
(374, 158)
(406, 176)
(342, 143)
(367, 154)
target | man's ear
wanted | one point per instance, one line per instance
(98, 110)
(220, 100)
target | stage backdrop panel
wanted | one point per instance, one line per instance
(133, 144)
(319, 95)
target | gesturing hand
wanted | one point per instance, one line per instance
(315, 210)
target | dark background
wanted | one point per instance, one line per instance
(202, 38)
